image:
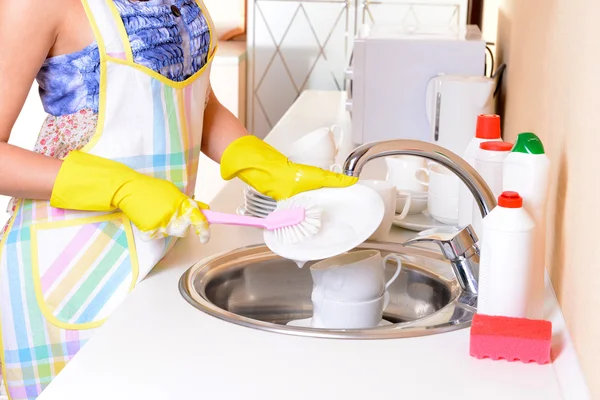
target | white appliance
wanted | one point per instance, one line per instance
(452, 104)
(389, 75)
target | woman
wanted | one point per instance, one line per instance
(126, 86)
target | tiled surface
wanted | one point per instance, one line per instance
(299, 45)
(295, 46)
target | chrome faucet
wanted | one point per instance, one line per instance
(458, 245)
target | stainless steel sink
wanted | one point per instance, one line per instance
(255, 288)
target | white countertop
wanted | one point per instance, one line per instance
(157, 346)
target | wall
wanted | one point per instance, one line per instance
(229, 17)
(552, 88)
(25, 132)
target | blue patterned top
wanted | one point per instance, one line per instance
(174, 46)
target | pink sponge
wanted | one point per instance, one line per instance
(511, 339)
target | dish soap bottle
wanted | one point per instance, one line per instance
(526, 170)
(487, 130)
(489, 163)
(506, 277)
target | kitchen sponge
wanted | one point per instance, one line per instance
(510, 338)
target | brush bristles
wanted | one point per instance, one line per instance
(307, 228)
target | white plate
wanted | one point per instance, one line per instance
(306, 322)
(249, 191)
(418, 222)
(257, 204)
(261, 202)
(241, 210)
(266, 200)
(257, 210)
(348, 217)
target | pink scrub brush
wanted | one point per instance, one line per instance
(291, 220)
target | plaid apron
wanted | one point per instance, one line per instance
(63, 272)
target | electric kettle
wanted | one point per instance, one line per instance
(453, 103)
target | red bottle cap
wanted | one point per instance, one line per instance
(510, 200)
(496, 146)
(488, 126)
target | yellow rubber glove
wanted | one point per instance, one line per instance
(155, 206)
(271, 173)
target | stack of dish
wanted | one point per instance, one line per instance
(257, 204)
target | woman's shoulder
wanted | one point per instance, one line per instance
(21, 19)
(73, 28)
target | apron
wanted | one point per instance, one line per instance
(63, 272)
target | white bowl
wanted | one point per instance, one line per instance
(418, 202)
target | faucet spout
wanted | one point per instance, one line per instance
(484, 197)
(369, 151)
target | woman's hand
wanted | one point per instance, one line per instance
(155, 206)
(23, 173)
(271, 173)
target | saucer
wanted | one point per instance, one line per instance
(418, 222)
(306, 322)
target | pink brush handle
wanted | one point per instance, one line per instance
(233, 219)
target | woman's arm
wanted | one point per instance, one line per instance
(221, 128)
(256, 163)
(27, 33)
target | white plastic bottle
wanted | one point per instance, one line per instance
(506, 277)
(489, 163)
(527, 171)
(488, 129)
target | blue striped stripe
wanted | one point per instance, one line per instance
(36, 319)
(155, 161)
(159, 132)
(16, 300)
(122, 272)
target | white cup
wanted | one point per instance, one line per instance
(323, 164)
(401, 172)
(442, 201)
(387, 192)
(350, 315)
(319, 147)
(352, 277)
(443, 209)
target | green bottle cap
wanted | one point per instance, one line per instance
(528, 142)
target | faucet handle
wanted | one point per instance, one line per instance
(458, 245)
(454, 242)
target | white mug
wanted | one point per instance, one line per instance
(352, 277)
(401, 172)
(442, 201)
(350, 315)
(439, 179)
(387, 192)
(403, 203)
(335, 168)
(328, 165)
(319, 147)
